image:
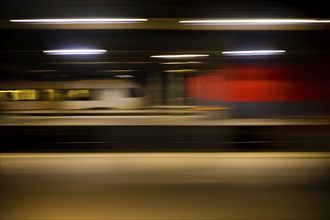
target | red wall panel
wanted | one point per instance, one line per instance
(254, 83)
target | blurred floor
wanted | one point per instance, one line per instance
(165, 186)
(204, 120)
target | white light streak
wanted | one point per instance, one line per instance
(178, 63)
(80, 20)
(181, 71)
(120, 71)
(124, 76)
(95, 63)
(75, 52)
(252, 52)
(253, 21)
(180, 56)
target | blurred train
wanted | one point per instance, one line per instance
(80, 94)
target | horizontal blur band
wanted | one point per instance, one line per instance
(180, 56)
(253, 21)
(81, 20)
(75, 52)
(252, 52)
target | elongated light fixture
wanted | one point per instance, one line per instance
(124, 76)
(14, 91)
(181, 71)
(180, 56)
(253, 21)
(80, 20)
(75, 52)
(179, 63)
(252, 52)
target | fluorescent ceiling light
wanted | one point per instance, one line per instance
(252, 52)
(80, 20)
(5, 91)
(253, 21)
(41, 71)
(175, 63)
(96, 63)
(180, 56)
(124, 76)
(119, 71)
(180, 71)
(75, 52)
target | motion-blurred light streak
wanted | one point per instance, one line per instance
(253, 21)
(75, 52)
(252, 52)
(180, 56)
(80, 20)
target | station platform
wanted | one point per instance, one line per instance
(152, 121)
(153, 115)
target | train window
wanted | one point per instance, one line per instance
(136, 92)
(48, 94)
(77, 95)
(18, 95)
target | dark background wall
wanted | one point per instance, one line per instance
(259, 90)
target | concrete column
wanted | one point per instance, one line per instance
(154, 88)
(175, 88)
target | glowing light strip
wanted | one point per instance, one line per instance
(180, 56)
(80, 20)
(253, 21)
(95, 63)
(40, 71)
(5, 91)
(180, 71)
(252, 52)
(75, 52)
(124, 76)
(175, 63)
(119, 71)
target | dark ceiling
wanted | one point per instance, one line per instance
(163, 8)
(130, 49)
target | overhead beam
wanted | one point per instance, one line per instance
(162, 24)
